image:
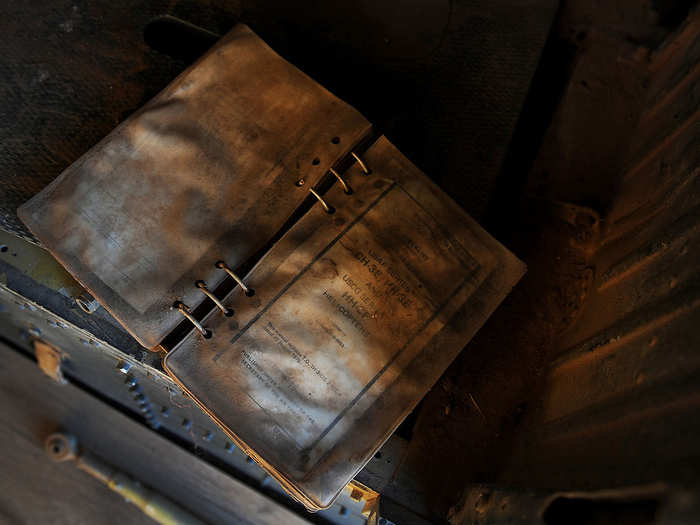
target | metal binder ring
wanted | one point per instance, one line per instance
(342, 182)
(327, 209)
(222, 265)
(203, 287)
(360, 162)
(185, 310)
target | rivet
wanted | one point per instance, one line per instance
(87, 302)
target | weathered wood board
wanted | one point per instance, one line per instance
(35, 490)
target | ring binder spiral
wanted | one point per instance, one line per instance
(203, 287)
(359, 315)
(246, 290)
(363, 166)
(326, 207)
(342, 182)
(185, 311)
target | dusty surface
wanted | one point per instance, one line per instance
(584, 103)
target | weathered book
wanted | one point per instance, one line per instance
(308, 282)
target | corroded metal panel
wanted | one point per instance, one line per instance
(620, 403)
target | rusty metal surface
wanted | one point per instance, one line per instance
(618, 400)
(633, 344)
(207, 171)
(355, 316)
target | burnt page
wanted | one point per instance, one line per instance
(206, 171)
(355, 316)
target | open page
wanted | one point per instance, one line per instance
(355, 316)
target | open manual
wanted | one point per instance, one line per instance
(308, 283)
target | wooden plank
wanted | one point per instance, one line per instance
(34, 490)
